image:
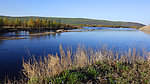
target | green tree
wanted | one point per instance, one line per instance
(16, 22)
(58, 25)
(1, 22)
(31, 23)
(54, 24)
(6, 21)
(40, 23)
(24, 23)
(44, 23)
(19, 22)
(11, 23)
(48, 23)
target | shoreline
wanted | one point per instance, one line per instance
(33, 34)
(44, 31)
(5, 30)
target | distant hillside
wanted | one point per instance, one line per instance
(80, 21)
(147, 27)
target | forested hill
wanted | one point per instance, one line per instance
(79, 21)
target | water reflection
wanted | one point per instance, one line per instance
(28, 34)
(1, 42)
(146, 32)
(48, 36)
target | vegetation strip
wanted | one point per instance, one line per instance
(7, 25)
(88, 66)
(80, 21)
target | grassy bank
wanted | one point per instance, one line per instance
(88, 66)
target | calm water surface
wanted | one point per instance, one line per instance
(13, 51)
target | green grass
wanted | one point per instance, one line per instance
(102, 72)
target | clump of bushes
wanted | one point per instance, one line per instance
(89, 66)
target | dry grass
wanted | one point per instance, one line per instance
(40, 71)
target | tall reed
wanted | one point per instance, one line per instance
(120, 64)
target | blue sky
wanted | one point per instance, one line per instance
(115, 10)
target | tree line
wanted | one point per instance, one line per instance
(38, 23)
(44, 23)
(111, 26)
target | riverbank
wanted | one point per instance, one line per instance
(88, 66)
(13, 29)
(32, 35)
(14, 38)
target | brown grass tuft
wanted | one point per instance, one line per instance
(52, 65)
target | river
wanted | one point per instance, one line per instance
(13, 51)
